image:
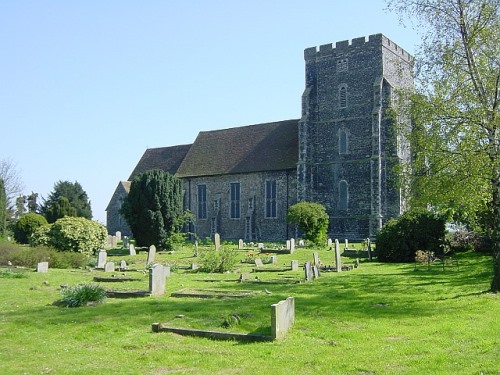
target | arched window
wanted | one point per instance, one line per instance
(343, 195)
(343, 96)
(343, 142)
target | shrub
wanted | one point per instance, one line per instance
(399, 239)
(467, 240)
(30, 256)
(83, 295)
(312, 219)
(75, 234)
(218, 260)
(26, 226)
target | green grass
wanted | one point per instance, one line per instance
(377, 319)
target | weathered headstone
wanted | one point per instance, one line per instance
(338, 264)
(151, 254)
(114, 241)
(292, 245)
(101, 258)
(282, 317)
(274, 259)
(123, 265)
(260, 245)
(346, 244)
(240, 244)
(109, 267)
(245, 276)
(118, 235)
(329, 243)
(315, 258)
(288, 244)
(217, 241)
(194, 266)
(131, 249)
(258, 262)
(308, 271)
(42, 267)
(125, 242)
(109, 240)
(302, 243)
(315, 270)
(157, 280)
(294, 265)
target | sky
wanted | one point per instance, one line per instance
(87, 86)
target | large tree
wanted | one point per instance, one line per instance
(13, 183)
(455, 111)
(153, 207)
(312, 220)
(67, 199)
(3, 208)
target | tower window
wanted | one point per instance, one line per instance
(343, 96)
(342, 65)
(343, 195)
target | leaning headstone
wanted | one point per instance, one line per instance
(308, 271)
(109, 267)
(42, 267)
(369, 247)
(240, 244)
(125, 242)
(217, 241)
(315, 270)
(338, 263)
(274, 259)
(131, 249)
(157, 280)
(123, 265)
(282, 317)
(329, 243)
(294, 265)
(258, 262)
(118, 235)
(292, 245)
(315, 258)
(101, 258)
(151, 254)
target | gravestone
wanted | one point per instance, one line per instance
(329, 243)
(346, 244)
(288, 244)
(308, 271)
(302, 243)
(194, 266)
(217, 241)
(315, 270)
(338, 263)
(258, 262)
(151, 254)
(118, 235)
(292, 245)
(101, 258)
(260, 245)
(196, 248)
(42, 267)
(123, 265)
(131, 249)
(245, 276)
(109, 240)
(282, 317)
(315, 258)
(109, 267)
(125, 242)
(274, 259)
(114, 241)
(157, 280)
(240, 244)
(294, 265)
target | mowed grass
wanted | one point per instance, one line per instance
(376, 319)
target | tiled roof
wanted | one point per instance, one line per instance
(254, 148)
(167, 159)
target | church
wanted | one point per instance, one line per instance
(342, 152)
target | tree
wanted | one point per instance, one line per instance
(13, 184)
(455, 112)
(153, 207)
(26, 226)
(67, 199)
(312, 219)
(3, 209)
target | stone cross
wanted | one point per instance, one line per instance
(217, 241)
(151, 254)
(109, 267)
(42, 267)
(157, 280)
(101, 258)
(338, 263)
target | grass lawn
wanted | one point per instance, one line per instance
(376, 319)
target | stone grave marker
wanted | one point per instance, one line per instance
(109, 267)
(217, 241)
(118, 235)
(240, 244)
(42, 267)
(302, 243)
(109, 240)
(194, 266)
(157, 280)
(294, 264)
(114, 241)
(338, 263)
(292, 245)
(131, 249)
(125, 242)
(274, 259)
(346, 244)
(308, 271)
(151, 254)
(315, 270)
(315, 258)
(245, 276)
(260, 245)
(101, 258)
(258, 262)
(123, 265)
(329, 243)
(288, 244)
(282, 317)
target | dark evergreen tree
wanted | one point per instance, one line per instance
(67, 199)
(3, 208)
(32, 202)
(153, 207)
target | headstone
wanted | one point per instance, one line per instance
(282, 317)
(258, 262)
(329, 243)
(194, 266)
(157, 280)
(114, 241)
(151, 254)
(346, 244)
(217, 241)
(109, 267)
(245, 276)
(109, 240)
(196, 248)
(260, 245)
(123, 265)
(302, 243)
(338, 263)
(292, 245)
(308, 271)
(369, 247)
(118, 235)
(294, 264)
(240, 244)
(315, 258)
(125, 242)
(131, 249)
(274, 259)
(288, 244)
(315, 270)
(101, 258)
(42, 267)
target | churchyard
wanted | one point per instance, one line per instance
(369, 318)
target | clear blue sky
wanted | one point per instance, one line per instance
(87, 86)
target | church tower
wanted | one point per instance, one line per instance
(348, 144)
